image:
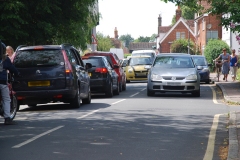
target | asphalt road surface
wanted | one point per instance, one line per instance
(130, 126)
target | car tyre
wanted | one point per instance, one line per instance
(208, 81)
(88, 99)
(127, 81)
(32, 105)
(116, 92)
(109, 92)
(150, 93)
(76, 101)
(124, 86)
(196, 93)
(120, 87)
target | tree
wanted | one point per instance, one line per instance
(143, 39)
(218, 7)
(126, 39)
(181, 46)
(153, 37)
(47, 22)
(104, 42)
(214, 48)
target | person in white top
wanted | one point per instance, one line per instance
(10, 52)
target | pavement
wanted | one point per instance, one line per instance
(231, 94)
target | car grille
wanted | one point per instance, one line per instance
(141, 74)
(170, 78)
(158, 87)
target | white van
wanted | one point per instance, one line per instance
(150, 53)
(118, 51)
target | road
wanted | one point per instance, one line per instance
(130, 126)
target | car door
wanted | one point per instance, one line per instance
(85, 81)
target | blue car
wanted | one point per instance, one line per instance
(202, 67)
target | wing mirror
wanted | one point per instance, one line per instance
(88, 66)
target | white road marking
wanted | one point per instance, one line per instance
(211, 138)
(36, 137)
(118, 101)
(214, 96)
(143, 89)
(134, 94)
(87, 114)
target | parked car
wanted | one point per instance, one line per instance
(115, 62)
(173, 72)
(103, 78)
(202, 67)
(51, 73)
(150, 53)
(137, 68)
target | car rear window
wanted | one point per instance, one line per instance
(94, 61)
(152, 55)
(173, 62)
(200, 61)
(33, 58)
(140, 61)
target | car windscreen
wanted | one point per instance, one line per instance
(94, 61)
(34, 58)
(173, 62)
(140, 61)
(200, 61)
(144, 54)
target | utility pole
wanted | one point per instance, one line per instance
(188, 39)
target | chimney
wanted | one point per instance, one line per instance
(178, 13)
(159, 20)
(115, 33)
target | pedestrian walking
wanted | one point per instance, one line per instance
(233, 64)
(225, 63)
(10, 52)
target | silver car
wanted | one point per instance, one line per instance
(173, 72)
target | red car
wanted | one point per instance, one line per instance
(115, 62)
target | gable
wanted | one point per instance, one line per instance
(178, 24)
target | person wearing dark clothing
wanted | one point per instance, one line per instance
(5, 66)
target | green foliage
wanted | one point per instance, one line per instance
(153, 37)
(104, 42)
(181, 46)
(142, 39)
(126, 55)
(47, 22)
(187, 13)
(218, 7)
(126, 39)
(173, 20)
(214, 48)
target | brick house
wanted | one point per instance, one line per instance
(201, 29)
(167, 34)
(117, 43)
(207, 26)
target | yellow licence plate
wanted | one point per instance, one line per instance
(38, 83)
(90, 74)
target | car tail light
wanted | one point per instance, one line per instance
(38, 48)
(101, 70)
(58, 96)
(68, 67)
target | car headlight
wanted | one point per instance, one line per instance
(130, 70)
(155, 77)
(191, 77)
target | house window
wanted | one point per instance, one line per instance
(212, 35)
(180, 35)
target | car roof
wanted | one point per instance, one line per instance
(38, 47)
(143, 51)
(139, 56)
(173, 54)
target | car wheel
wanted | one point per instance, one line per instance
(120, 87)
(76, 101)
(13, 107)
(88, 99)
(124, 86)
(109, 92)
(208, 81)
(116, 92)
(127, 81)
(150, 93)
(32, 105)
(196, 93)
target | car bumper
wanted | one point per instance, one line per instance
(100, 85)
(178, 86)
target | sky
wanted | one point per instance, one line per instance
(134, 17)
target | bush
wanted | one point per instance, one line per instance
(214, 49)
(181, 46)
